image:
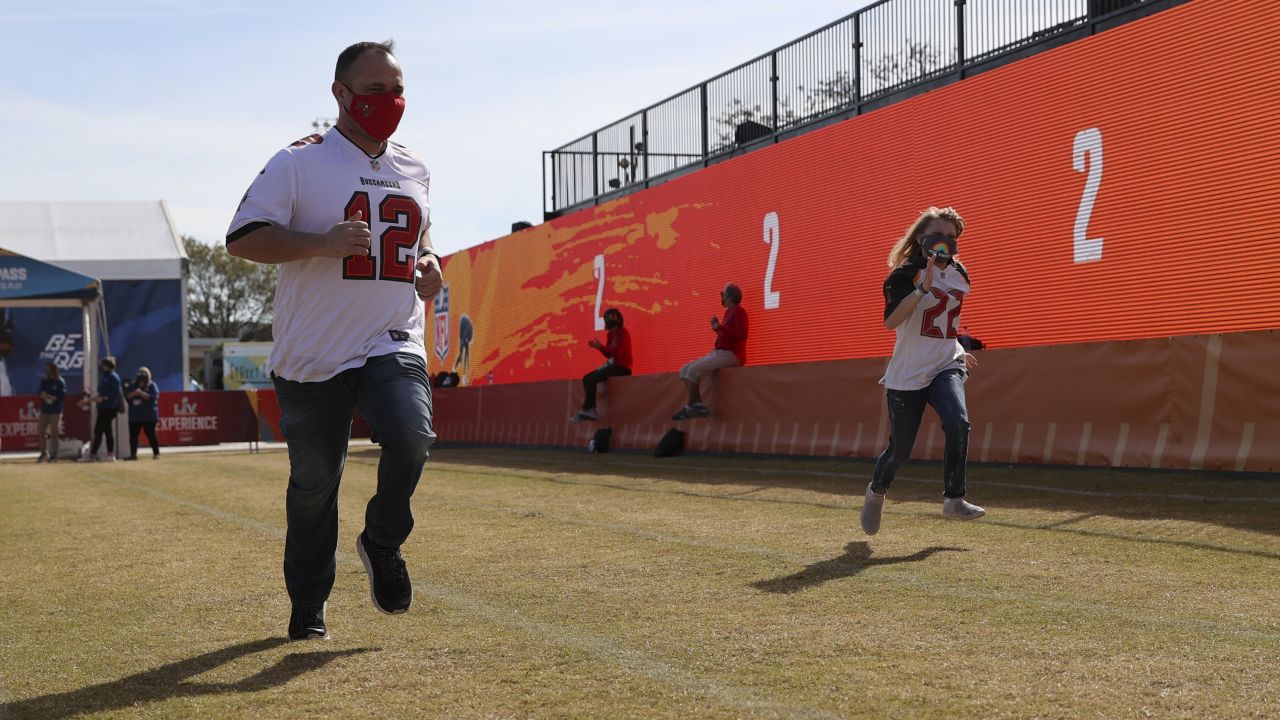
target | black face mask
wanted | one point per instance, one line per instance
(611, 323)
(939, 246)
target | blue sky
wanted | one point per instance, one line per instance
(185, 101)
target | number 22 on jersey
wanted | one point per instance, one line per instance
(395, 259)
(929, 321)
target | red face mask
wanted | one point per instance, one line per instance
(378, 115)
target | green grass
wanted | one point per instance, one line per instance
(556, 584)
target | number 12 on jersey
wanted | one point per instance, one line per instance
(395, 259)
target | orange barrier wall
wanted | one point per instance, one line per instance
(1122, 186)
(1194, 402)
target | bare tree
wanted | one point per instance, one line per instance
(914, 61)
(829, 94)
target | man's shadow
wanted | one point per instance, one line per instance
(170, 681)
(856, 558)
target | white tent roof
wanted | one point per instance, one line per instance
(106, 240)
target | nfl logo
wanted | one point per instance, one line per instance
(442, 322)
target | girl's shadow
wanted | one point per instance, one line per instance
(856, 558)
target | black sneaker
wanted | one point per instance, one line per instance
(389, 583)
(307, 623)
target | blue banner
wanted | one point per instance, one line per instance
(38, 336)
(144, 322)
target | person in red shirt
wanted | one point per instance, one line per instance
(617, 352)
(730, 351)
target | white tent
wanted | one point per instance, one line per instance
(29, 283)
(135, 250)
(106, 240)
(26, 282)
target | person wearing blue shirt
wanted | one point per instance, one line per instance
(53, 390)
(108, 400)
(144, 412)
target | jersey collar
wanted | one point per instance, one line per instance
(385, 145)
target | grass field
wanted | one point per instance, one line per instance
(557, 584)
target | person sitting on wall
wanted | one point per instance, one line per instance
(730, 351)
(617, 352)
(144, 412)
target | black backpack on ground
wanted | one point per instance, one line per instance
(670, 444)
(600, 441)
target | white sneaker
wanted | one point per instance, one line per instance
(872, 505)
(959, 509)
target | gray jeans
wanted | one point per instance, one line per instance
(392, 392)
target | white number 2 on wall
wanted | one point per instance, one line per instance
(772, 238)
(1088, 144)
(598, 273)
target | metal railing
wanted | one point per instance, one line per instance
(886, 51)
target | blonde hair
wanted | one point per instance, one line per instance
(909, 244)
(144, 370)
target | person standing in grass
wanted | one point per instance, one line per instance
(108, 404)
(730, 351)
(143, 396)
(53, 392)
(922, 299)
(617, 353)
(348, 326)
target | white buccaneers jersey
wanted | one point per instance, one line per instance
(926, 341)
(331, 314)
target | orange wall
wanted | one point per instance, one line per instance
(1190, 402)
(1173, 116)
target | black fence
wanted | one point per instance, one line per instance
(881, 54)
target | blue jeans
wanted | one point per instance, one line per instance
(906, 410)
(394, 395)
